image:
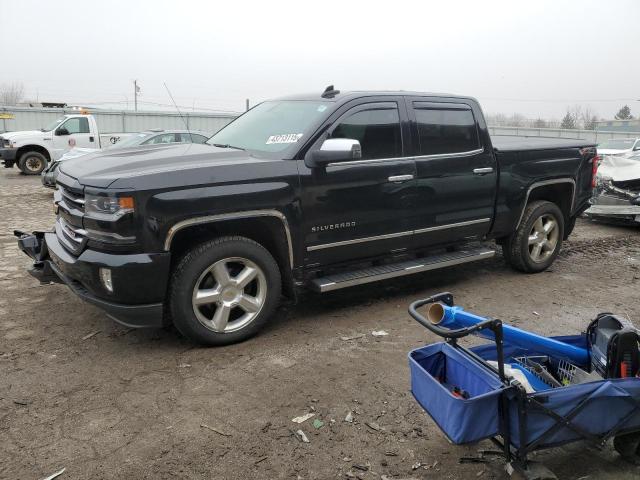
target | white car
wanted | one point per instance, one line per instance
(619, 146)
(617, 193)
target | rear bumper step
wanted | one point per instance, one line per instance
(374, 274)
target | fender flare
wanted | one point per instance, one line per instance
(544, 183)
(231, 216)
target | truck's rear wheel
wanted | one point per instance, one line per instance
(536, 243)
(32, 163)
(223, 291)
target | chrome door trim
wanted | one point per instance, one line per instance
(452, 225)
(369, 161)
(544, 183)
(358, 240)
(231, 216)
(395, 235)
(469, 153)
(421, 157)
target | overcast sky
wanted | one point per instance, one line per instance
(533, 57)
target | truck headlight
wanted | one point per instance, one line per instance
(108, 206)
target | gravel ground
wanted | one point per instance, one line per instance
(80, 392)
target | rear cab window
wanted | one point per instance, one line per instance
(445, 128)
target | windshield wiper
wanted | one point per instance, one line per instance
(226, 145)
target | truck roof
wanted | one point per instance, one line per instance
(342, 97)
(511, 143)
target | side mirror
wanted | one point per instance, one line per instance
(62, 131)
(336, 150)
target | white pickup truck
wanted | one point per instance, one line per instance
(33, 150)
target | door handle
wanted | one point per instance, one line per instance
(482, 171)
(400, 178)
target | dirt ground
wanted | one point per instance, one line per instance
(103, 401)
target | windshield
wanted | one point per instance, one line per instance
(621, 144)
(52, 125)
(271, 126)
(132, 141)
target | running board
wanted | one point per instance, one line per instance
(373, 274)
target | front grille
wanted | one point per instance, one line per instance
(74, 199)
(69, 227)
(72, 239)
(76, 235)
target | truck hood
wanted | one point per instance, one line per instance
(77, 152)
(134, 167)
(619, 169)
(21, 135)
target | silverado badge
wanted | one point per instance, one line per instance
(333, 226)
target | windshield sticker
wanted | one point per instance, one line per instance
(322, 108)
(285, 138)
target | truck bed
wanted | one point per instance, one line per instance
(510, 143)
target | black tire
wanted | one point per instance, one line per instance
(628, 446)
(32, 163)
(194, 268)
(517, 251)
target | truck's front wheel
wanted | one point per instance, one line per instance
(224, 290)
(32, 163)
(536, 243)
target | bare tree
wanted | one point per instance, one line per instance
(540, 123)
(588, 118)
(11, 93)
(517, 120)
(497, 119)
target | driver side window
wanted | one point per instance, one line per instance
(377, 129)
(76, 125)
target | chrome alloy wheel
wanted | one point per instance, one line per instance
(543, 238)
(229, 294)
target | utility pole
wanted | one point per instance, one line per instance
(136, 90)
(247, 104)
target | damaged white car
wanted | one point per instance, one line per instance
(617, 192)
(619, 146)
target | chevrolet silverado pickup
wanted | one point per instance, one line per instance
(317, 192)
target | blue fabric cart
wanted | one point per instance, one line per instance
(497, 408)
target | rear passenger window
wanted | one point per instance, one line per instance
(446, 131)
(377, 130)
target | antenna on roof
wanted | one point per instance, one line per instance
(330, 92)
(186, 124)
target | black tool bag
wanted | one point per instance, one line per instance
(614, 346)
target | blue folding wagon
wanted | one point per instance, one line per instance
(468, 395)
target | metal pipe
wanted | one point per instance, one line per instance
(456, 317)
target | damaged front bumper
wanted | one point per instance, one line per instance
(53, 264)
(615, 203)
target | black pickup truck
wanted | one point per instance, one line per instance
(315, 192)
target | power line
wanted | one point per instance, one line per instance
(558, 100)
